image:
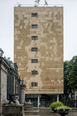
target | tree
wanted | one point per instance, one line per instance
(72, 77)
(67, 88)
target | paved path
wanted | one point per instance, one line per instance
(47, 112)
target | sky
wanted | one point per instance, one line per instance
(69, 25)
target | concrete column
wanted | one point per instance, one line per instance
(38, 100)
(3, 82)
(23, 93)
(57, 98)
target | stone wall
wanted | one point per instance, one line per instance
(13, 111)
(49, 44)
(3, 82)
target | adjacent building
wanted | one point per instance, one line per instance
(38, 51)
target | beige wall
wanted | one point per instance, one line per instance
(50, 48)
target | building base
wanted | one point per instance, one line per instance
(12, 110)
(41, 100)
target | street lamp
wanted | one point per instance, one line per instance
(1, 52)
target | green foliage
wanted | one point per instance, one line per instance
(70, 102)
(70, 74)
(67, 88)
(72, 77)
(37, 2)
(9, 61)
(35, 5)
(56, 104)
(63, 107)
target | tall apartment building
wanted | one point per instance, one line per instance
(38, 50)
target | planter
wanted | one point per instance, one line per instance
(54, 105)
(63, 112)
(28, 106)
(53, 109)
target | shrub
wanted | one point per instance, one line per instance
(56, 104)
(63, 108)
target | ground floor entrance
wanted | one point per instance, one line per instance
(42, 100)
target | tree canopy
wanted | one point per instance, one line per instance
(70, 74)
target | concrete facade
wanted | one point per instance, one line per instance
(49, 43)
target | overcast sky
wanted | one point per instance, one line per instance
(7, 25)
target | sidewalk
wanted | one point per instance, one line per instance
(43, 111)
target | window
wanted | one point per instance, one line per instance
(31, 95)
(34, 26)
(34, 72)
(34, 49)
(34, 37)
(34, 84)
(34, 60)
(34, 14)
